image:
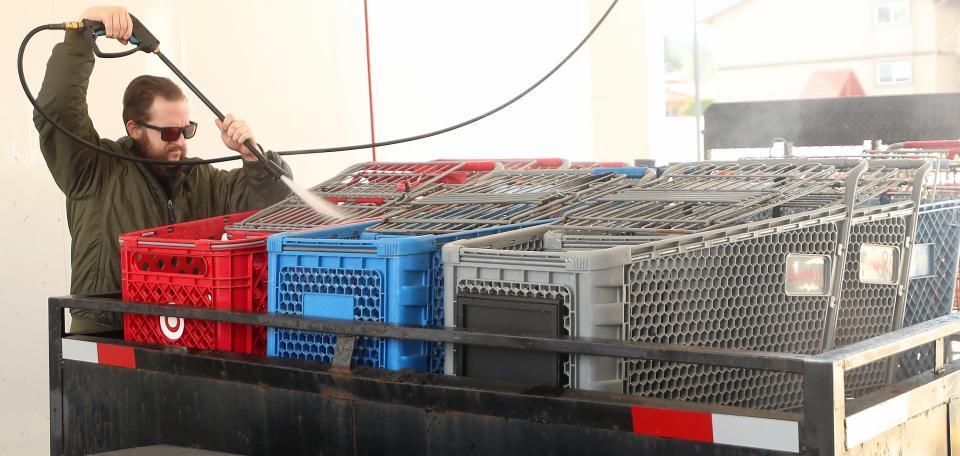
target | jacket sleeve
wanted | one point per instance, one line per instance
(248, 188)
(76, 169)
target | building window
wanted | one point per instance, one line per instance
(893, 13)
(894, 73)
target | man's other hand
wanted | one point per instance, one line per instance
(234, 132)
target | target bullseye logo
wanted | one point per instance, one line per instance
(172, 327)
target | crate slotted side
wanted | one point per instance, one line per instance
(502, 198)
(931, 296)
(188, 264)
(363, 286)
(359, 280)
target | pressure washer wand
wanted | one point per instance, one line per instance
(274, 169)
(146, 42)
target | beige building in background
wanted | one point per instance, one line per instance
(775, 49)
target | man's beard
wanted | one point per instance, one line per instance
(142, 145)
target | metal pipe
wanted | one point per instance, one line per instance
(274, 169)
(768, 361)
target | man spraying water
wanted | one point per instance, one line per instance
(106, 196)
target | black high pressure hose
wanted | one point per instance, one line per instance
(146, 42)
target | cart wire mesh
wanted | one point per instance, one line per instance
(363, 191)
(596, 164)
(707, 195)
(933, 277)
(293, 215)
(379, 182)
(502, 198)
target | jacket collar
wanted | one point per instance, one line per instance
(128, 145)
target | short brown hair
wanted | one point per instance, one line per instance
(140, 93)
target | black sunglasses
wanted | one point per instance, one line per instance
(171, 134)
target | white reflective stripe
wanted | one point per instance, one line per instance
(763, 433)
(869, 423)
(80, 350)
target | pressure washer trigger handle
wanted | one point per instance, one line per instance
(102, 32)
(140, 37)
(145, 40)
(91, 30)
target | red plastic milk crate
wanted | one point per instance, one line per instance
(195, 264)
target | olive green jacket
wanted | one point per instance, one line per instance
(107, 197)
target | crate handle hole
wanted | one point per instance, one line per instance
(172, 264)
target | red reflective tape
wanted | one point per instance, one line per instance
(675, 424)
(115, 355)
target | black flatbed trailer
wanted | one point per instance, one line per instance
(108, 395)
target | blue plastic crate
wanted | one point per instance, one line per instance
(344, 272)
